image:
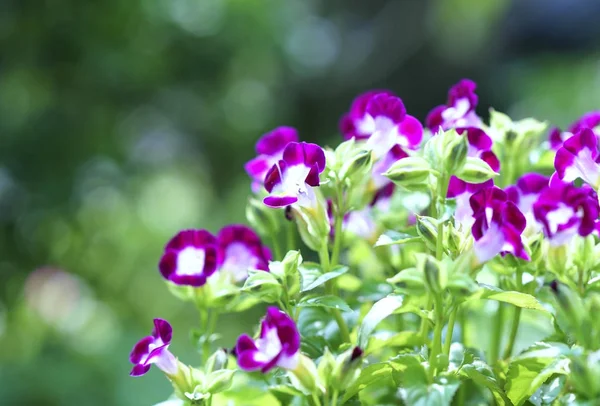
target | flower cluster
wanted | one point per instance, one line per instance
(403, 219)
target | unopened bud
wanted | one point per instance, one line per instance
(409, 281)
(409, 171)
(217, 361)
(455, 152)
(476, 170)
(305, 377)
(427, 229)
(263, 285)
(356, 165)
(436, 277)
(347, 368)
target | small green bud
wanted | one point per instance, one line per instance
(325, 368)
(287, 271)
(356, 166)
(409, 171)
(219, 380)
(461, 285)
(427, 229)
(409, 281)
(436, 276)
(455, 152)
(571, 307)
(262, 218)
(313, 223)
(557, 259)
(217, 361)
(476, 170)
(263, 286)
(305, 377)
(347, 368)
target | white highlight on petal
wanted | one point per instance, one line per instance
(491, 244)
(463, 215)
(238, 260)
(268, 346)
(360, 223)
(558, 217)
(584, 167)
(190, 261)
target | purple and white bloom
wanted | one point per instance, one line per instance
(579, 158)
(525, 193)
(480, 145)
(239, 250)
(459, 111)
(498, 225)
(379, 118)
(189, 258)
(154, 349)
(270, 150)
(565, 211)
(292, 178)
(589, 120)
(277, 346)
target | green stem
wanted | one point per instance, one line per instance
(340, 211)
(496, 334)
(277, 247)
(462, 321)
(334, 397)
(424, 329)
(316, 399)
(514, 329)
(291, 236)
(450, 330)
(436, 346)
(329, 288)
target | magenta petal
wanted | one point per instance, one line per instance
(412, 130)
(273, 176)
(434, 119)
(140, 350)
(163, 330)
(312, 178)
(477, 138)
(555, 138)
(513, 215)
(275, 141)
(464, 89)
(194, 238)
(314, 154)
(456, 187)
(532, 183)
(562, 161)
(257, 167)
(293, 154)
(387, 106)
(588, 120)
(139, 370)
(583, 139)
(280, 201)
(491, 159)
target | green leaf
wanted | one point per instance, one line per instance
(380, 310)
(482, 375)
(515, 298)
(526, 376)
(408, 370)
(263, 285)
(392, 237)
(548, 392)
(439, 393)
(329, 301)
(309, 272)
(320, 279)
(388, 340)
(369, 375)
(286, 389)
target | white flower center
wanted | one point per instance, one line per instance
(238, 259)
(190, 261)
(269, 346)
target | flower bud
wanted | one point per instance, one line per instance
(305, 376)
(325, 368)
(313, 223)
(356, 166)
(217, 361)
(427, 229)
(454, 152)
(262, 218)
(476, 170)
(571, 307)
(263, 285)
(436, 276)
(557, 259)
(409, 281)
(219, 380)
(409, 171)
(287, 271)
(347, 368)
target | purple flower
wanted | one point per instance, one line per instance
(578, 158)
(240, 249)
(153, 349)
(498, 225)
(189, 258)
(270, 150)
(565, 211)
(277, 346)
(380, 118)
(480, 145)
(459, 111)
(382, 165)
(525, 193)
(589, 120)
(291, 179)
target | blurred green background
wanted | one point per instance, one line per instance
(122, 122)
